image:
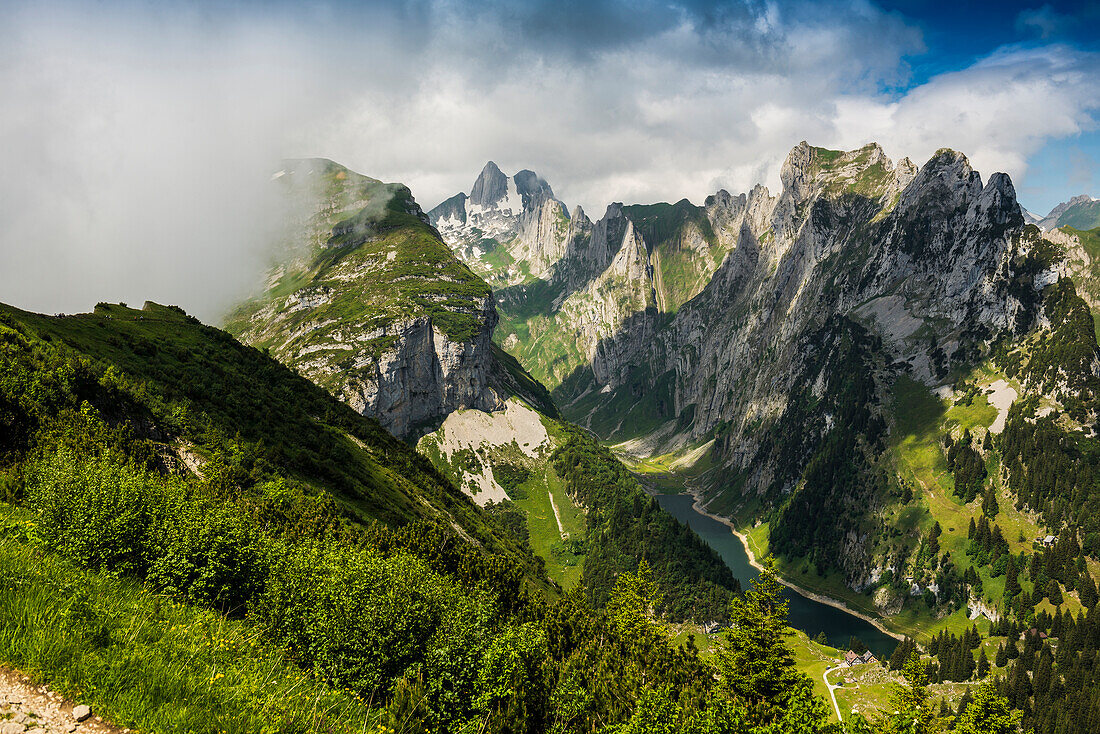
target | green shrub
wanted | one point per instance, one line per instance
(94, 510)
(116, 517)
(209, 555)
(357, 618)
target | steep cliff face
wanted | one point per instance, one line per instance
(914, 256)
(765, 329)
(372, 305)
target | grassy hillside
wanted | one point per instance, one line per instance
(361, 260)
(147, 662)
(189, 395)
(1085, 215)
(578, 508)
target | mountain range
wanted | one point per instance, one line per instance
(885, 377)
(1080, 212)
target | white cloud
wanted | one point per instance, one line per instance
(139, 140)
(999, 112)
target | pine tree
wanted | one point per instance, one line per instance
(1043, 672)
(904, 649)
(755, 663)
(913, 713)
(997, 542)
(988, 713)
(1001, 658)
(1054, 592)
(990, 508)
(971, 530)
(983, 665)
(1086, 589)
(964, 702)
(1012, 578)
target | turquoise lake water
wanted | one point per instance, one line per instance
(805, 614)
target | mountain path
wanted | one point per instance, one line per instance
(27, 708)
(832, 692)
(557, 515)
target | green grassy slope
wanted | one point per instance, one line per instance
(1085, 215)
(525, 465)
(147, 662)
(364, 259)
(194, 391)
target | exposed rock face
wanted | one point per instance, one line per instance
(509, 227)
(669, 324)
(850, 234)
(490, 187)
(426, 376)
(374, 307)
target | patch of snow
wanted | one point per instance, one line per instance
(1001, 396)
(512, 201)
(277, 175)
(944, 392)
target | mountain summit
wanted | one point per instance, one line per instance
(500, 213)
(1080, 212)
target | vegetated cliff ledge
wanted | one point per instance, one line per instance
(370, 304)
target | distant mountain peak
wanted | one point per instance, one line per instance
(490, 187)
(533, 188)
(1080, 212)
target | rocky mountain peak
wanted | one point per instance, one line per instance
(453, 210)
(796, 171)
(946, 175)
(999, 198)
(533, 188)
(490, 187)
(1080, 212)
(905, 171)
(949, 162)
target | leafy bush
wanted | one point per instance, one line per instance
(357, 618)
(207, 554)
(94, 510)
(117, 517)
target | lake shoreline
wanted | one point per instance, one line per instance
(812, 596)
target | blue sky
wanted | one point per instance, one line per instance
(120, 115)
(958, 34)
